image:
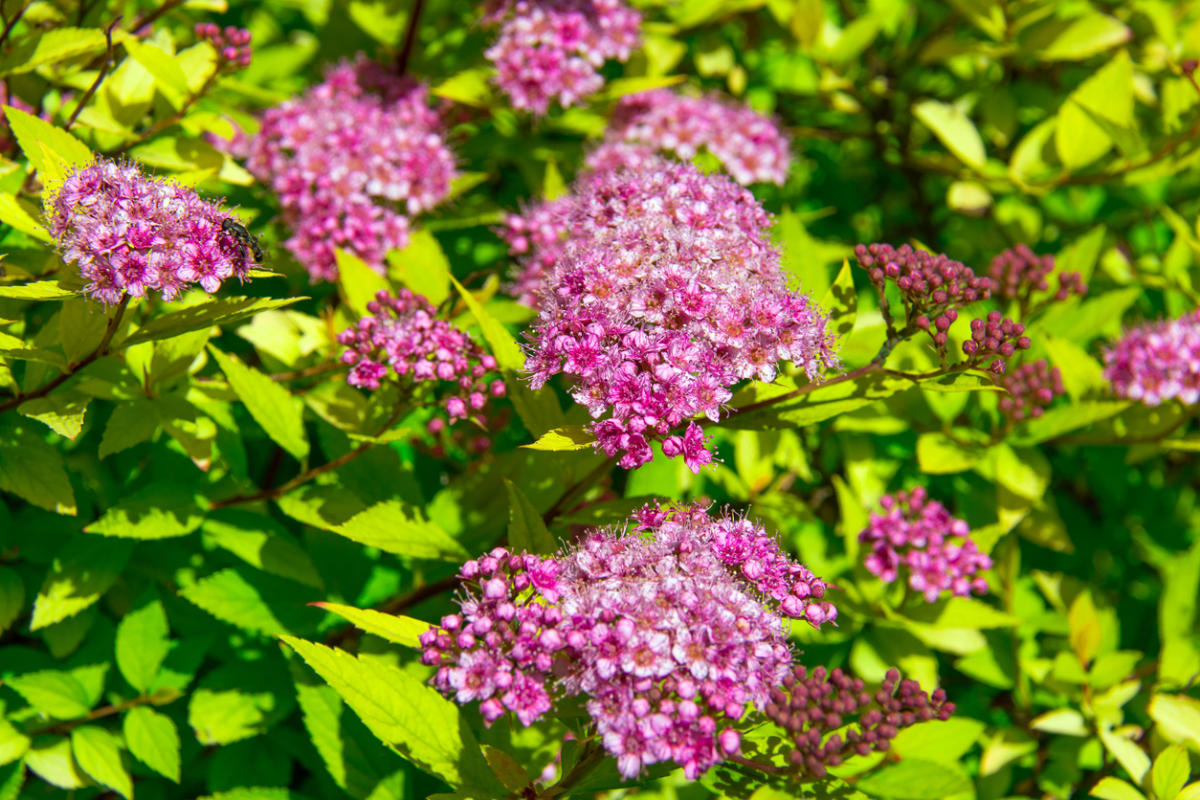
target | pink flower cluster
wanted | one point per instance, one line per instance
(1031, 388)
(351, 161)
(1019, 272)
(670, 637)
(750, 146)
(811, 707)
(232, 44)
(536, 238)
(402, 333)
(130, 234)
(667, 294)
(550, 50)
(1157, 361)
(919, 533)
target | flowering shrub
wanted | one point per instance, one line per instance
(581, 398)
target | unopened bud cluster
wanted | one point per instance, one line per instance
(995, 337)
(1031, 388)
(930, 284)
(130, 234)
(669, 637)
(403, 334)
(812, 707)
(550, 51)
(351, 161)
(1157, 362)
(750, 146)
(232, 44)
(919, 534)
(1018, 273)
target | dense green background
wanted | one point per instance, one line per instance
(141, 608)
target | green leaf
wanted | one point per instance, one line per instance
(13, 745)
(539, 411)
(506, 350)
(398, 629)
(79, 576)
(526, 530)
(358, 282)
(938, 454)
(394, 527)
(142, 643)
(35, 471)
(1127, 753)
(153, 739)
(263, 543)
(1082, 254)
(279, 413)
(469, 87)
(238, 701)
(56, 694)
(1076, 38)
(61, 412)
(1065, 419)
(842, 302)
(53, 763)
(405, 714)
(19, 214)
(944, 742)
(621, 87)
(955, 130)
(228, 596)
(1064, 721)
(915, 779)
(157, 511)
(205, 315)
(1110, 788)
(50, 150)
(1170, 771)
(12, 596)
(132, 422)
(422, 267)
(961, 612)
(97, 754)
(568, 437)
(44, 47)
(168, 75)
(1178, 717)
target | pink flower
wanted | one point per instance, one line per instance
(1157, 361)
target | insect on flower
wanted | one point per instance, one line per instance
(231, 227)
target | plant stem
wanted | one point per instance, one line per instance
(101, 350)
(159, 698)
(12, 23)
(588, 761)
(151, 16)
(410, 37)
(104, 68)
(580, 486)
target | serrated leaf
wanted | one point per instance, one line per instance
(422, 267)
(168, 75)
(403, 713)
(358, 282)
(13, 745)
(915, 779)
(153, 739)
(58, 695)
(43, 47)
(97, 753)
(399, 629)
(503, 346)
(938, 454)
(568, 437)
(157, 511)
(395, 528)
(955, 130)
(142, 643)
(79, 576)
(205, 315)
(50, 150)
(52, 762)
(61, 412)
(38, 290)
(228, 596)
(962, 612)
(526, 530)
(35, 471)
(16, 212)
(238, 701)
(263, 543)
(279, 413)
(1178, 717)
(131, 423)
(937, 740)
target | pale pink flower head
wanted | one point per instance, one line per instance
(919, 535)
(667, 294)
(1157, 362)
(751, 147)
(549, 51)
(352, 161)
(130, 234)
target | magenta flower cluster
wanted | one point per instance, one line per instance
(1031, 388)
(1019, 273)
(669, 637)
(536, 238)
(812, 707)
(750, 146)
(667, 294)
(919, 534)
(549, 51)
(1157, 361)
(403, 334)
(232, 44)
(351, 161)
(129, 234)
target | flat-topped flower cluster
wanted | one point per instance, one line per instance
(671, 633)
(352, 160)
(1157, 362)
(666, 295)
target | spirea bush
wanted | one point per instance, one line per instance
(595, 398)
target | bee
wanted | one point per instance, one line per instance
(237, 231)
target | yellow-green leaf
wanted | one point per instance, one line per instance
(399, 629)
(279, 413)
(955, 129)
